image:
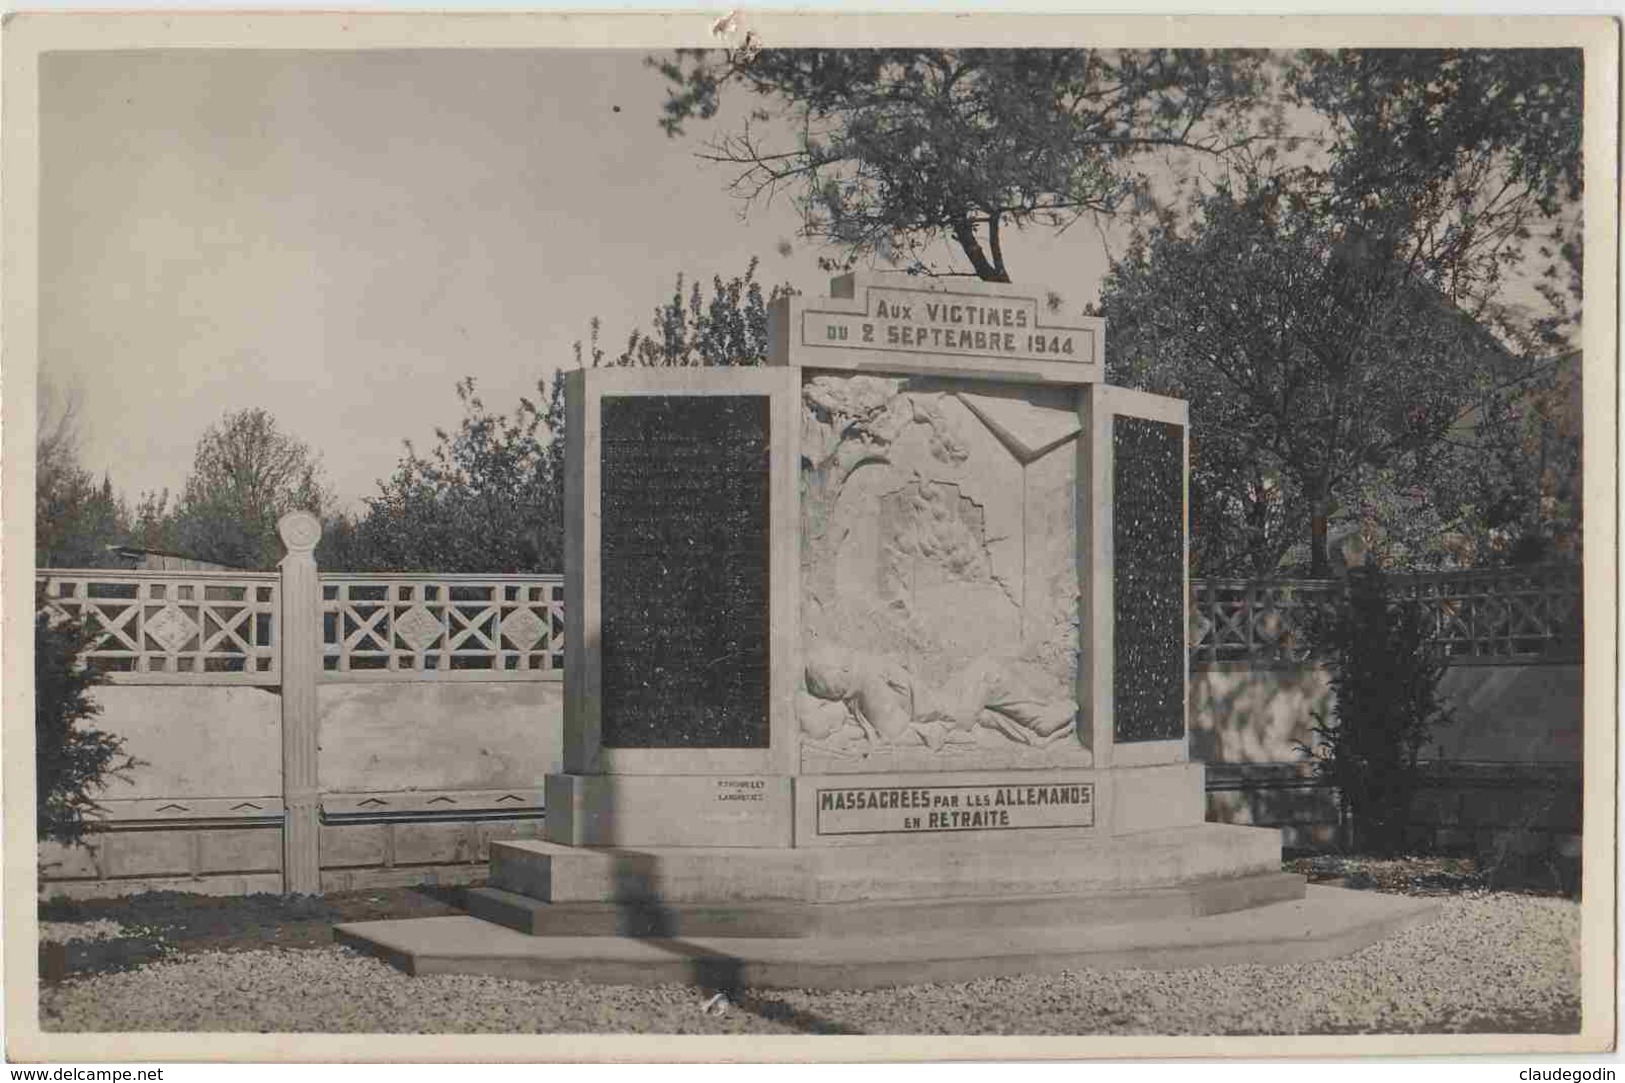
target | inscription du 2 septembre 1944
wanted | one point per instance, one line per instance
(966, 325)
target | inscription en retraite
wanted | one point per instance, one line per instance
(871, 810)
(924, 321)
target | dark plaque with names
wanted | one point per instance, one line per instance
(684, 543)
(1148, 591)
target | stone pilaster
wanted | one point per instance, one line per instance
(301, 668)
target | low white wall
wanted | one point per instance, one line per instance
(1505, 714)
(212, 741)
(1530, 713)
(439, 736)
(1241, 714)
(1504, 778)
(197, 741)
(203, 742)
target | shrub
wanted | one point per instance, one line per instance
(1385, 685)
(71, 759)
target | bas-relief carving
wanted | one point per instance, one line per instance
(939, 578)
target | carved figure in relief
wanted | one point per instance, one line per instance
(854, 420)
(931, 522)
(853, 700)
(938, 572)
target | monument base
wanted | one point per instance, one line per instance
(975, 884)
(930, 906)
(980, 865)
(755, 811)
(669, 810)
(1325, 923)
(972, 914)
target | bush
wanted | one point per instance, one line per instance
(1385, 685)
(71, 759)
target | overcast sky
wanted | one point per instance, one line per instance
(339, 237)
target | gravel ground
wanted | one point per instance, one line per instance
(1489, 962)
(62, 932)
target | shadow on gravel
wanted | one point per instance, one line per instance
(1431, 875)
(161, 923)
(454, 896)
(777, 1011)
(79, 957)
(166, 923)
(637, 897)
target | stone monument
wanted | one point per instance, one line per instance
(922, 564)
(876, 670)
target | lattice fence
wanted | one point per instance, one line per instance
(175, 627)
(442, 627)
(222, 627)
(1501, 614)
(1475, 616)
(1268, 621)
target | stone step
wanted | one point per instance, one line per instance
(876, 918)
(956, 866)
(1325, 923)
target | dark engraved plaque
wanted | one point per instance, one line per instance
(684, 570)
(1148, 545)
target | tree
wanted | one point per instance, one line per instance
(246, 474)
(1444, 161)
(893, 149)
(1462, 169)
(730, 330)
(71, 759)
(1357, 354)
(484, 499)
(1385, 689)
(1310, 369)
(490, 497)
(1511, 475)
(75, 519)
(152, 523)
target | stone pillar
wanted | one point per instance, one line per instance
(301, 667)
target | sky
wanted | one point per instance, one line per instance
(340, 237)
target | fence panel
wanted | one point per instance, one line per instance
(175, 627)
(199, 627)
(1479, 616)
(442, 627)
(1496, 615)
(1266, 622)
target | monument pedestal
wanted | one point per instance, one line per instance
(544, 889)
(945, 908)
(1326, 923)
(849, 917)
(755, 811)
(1022, 866)
(877, 810)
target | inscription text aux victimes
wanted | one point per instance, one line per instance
(957, 326)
